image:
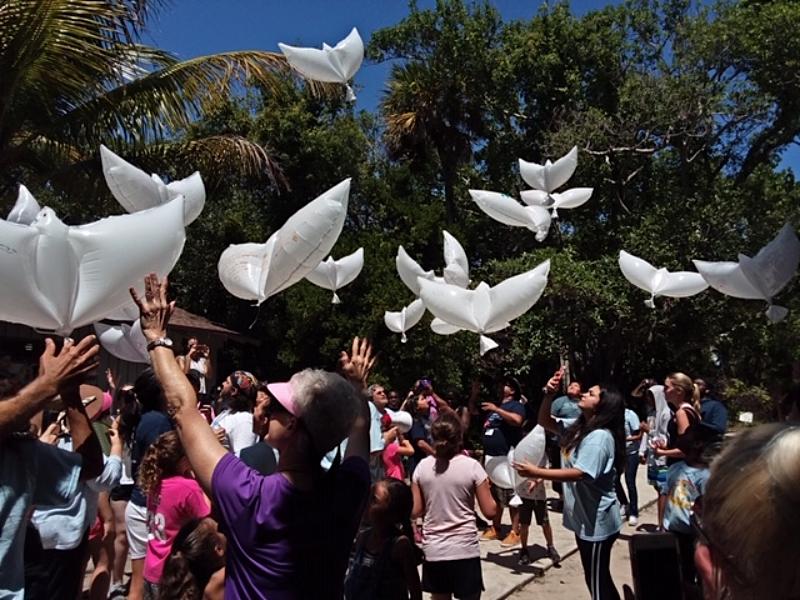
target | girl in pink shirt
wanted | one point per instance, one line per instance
(173, 499)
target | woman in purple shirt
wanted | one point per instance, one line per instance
(289, 534)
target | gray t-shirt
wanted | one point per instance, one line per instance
(30, 473)
(591, 509)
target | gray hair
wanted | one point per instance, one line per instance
(327, 404)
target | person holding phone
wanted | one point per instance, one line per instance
(592, 451)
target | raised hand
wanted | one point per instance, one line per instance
(154, 309)
(357, 365)
(70, 365)
(554, 383)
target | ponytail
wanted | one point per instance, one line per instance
(696, 397)
(177, 580)
(447, 435)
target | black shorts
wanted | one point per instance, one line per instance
(501, 495)
(533, 507)
(121, 493)
(462, 578)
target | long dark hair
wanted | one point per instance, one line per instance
(128, 411)
(609, 414)
(191, 562)
(447, 436)
(401, 501)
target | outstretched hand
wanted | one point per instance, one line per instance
(154, 309)
(526, 469)
(70, 365)
(554, 383)
(357, 365)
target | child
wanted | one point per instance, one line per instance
(686, 484)
(534, 502)
(173, 498)
(395, 451)
(385, 563)
(195, 567)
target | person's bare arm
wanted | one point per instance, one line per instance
(526, 469)
(507, 416)
(55, 368)
(356, 367)
(545, 417)
(418, 509)
(403, 554)
(425, 447)
(486, 502)
(215, 588)
(200, 443)
(84, 439)
(404, 447)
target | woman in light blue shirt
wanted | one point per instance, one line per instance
(592, 452)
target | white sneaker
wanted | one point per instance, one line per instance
(632, 521)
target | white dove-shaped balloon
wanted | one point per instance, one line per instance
(125, 341)
(25, 209)
(335, 274)
(761, 277)
(404, 319)
(58, 278)
(485, 309)
(135, 190)
(508, 211)
(659, 282)
(572, 198)
(258, 271)
(331, 65)
(549, 176)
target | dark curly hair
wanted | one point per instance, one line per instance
(160, 461)
(192, 561)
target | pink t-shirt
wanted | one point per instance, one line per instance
(180, 500)
(449, 528)
(393, 462)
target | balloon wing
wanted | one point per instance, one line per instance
(403, 320)
(455, 305)
(681, 284)
(549, 176)
(776, 263)
(640, 273)
(135, 190)
(410, 271)
(126, 342)
(728, 278)
(516, 295)
(443, 327)
(334, 274)
(456, 270)
(240, 269)
(508, 211)
(25, 209)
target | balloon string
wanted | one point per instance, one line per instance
(258, 313)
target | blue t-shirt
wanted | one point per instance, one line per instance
(30, 473)
(565, 407)
(714, 414)
(499, 436)
(685, 484)
(152, 424)
(632, 426)
(591, 510)
(420, 430)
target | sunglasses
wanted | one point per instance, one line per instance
(732, 571)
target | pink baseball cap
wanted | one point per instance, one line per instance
(284, 395)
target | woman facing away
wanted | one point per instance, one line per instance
(195, 568)
(288, 534)
(445, 487)
(592, 452)
(749, 529)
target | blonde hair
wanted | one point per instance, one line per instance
(691, 392)
(751, 517)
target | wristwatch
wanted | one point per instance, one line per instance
(162, 341)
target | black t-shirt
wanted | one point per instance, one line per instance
(152, 424)
(420, 430)
(499, 436)
(261, 457)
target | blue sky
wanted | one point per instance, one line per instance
(190, 28)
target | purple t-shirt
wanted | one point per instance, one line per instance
(284, 543)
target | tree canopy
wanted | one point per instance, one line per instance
(680, 111)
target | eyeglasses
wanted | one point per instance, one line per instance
(732, 571)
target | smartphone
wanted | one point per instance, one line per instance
(88, 400)
(656, 567)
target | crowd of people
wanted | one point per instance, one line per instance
(331, 486)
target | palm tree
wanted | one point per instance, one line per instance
(74, 75)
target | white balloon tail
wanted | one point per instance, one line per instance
(650, 302)
(350, 95)
(515, 501)
(403, 338)
(335, 299)
(487, 344)
(776, 313)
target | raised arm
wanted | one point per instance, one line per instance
(55, 369)
(545, 417)
(356, 367)
(200, 443)
(84, 439)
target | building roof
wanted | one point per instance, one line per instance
(183, 319)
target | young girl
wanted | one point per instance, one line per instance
(173, 498)
(445, 487)
(592, 452)
(395, 451)
(195, 568)
(385, 563)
